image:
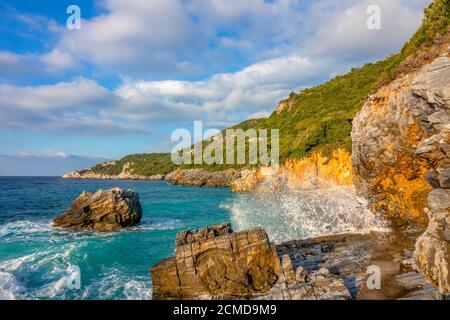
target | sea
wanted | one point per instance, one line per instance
(38, 261)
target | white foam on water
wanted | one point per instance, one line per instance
(114, 282)
(159, 224)
(9, 288)
(137, 290)
(298, 214)
(56, 264)
(23, 227)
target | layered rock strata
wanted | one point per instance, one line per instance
(215, 263)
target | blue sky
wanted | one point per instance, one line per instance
(138, 69)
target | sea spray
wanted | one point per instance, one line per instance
(290, 214)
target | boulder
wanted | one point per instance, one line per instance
(108, 210)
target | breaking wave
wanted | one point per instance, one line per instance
(298, 214)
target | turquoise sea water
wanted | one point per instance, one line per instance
(41, 262)
(37, 261)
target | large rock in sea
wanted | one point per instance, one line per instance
(108, 210)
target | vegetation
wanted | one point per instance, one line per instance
(142, 164)
(319, 118)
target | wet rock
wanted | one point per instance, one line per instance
(102, 211)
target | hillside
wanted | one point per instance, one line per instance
(320, 118)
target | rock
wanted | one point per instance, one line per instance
(433, 179)
(214, 262)
(286, 265)
(407, 265)
(401, 133)
(433, 258)
(301, 274)
(88, 174)
(191, 236)
(444, 179)
(203, 177)
(439, 199)
(102, 211)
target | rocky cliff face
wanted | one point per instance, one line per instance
(399, 137)
(102, 211)
(315, 171)
(401, 158)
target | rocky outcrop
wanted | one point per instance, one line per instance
(215, 263)
(102, 211)
(121, 176)
(400, 139)
(285, 104)
(203, 178)
(432, 252)
(315, 171)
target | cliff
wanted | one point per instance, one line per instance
(401, 135)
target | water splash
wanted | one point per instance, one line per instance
(291, 214)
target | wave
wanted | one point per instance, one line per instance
(115, 283)
(297, 214)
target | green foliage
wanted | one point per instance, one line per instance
(143, 164)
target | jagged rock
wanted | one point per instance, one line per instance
(401, 133)
(213, 262)
(102, 211)
(191, 236)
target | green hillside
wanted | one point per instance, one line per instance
(319, 118)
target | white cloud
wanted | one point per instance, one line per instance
(133, 35)
(289, 44)
(84, 106)
(225, 96)
(343, 33)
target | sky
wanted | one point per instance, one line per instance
(138, 69)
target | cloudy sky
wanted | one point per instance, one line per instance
(138, 69)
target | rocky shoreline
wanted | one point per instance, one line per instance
(215, 263)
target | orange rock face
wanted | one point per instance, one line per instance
(316, 171)
(390, 134)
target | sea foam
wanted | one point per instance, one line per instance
(297, 214)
